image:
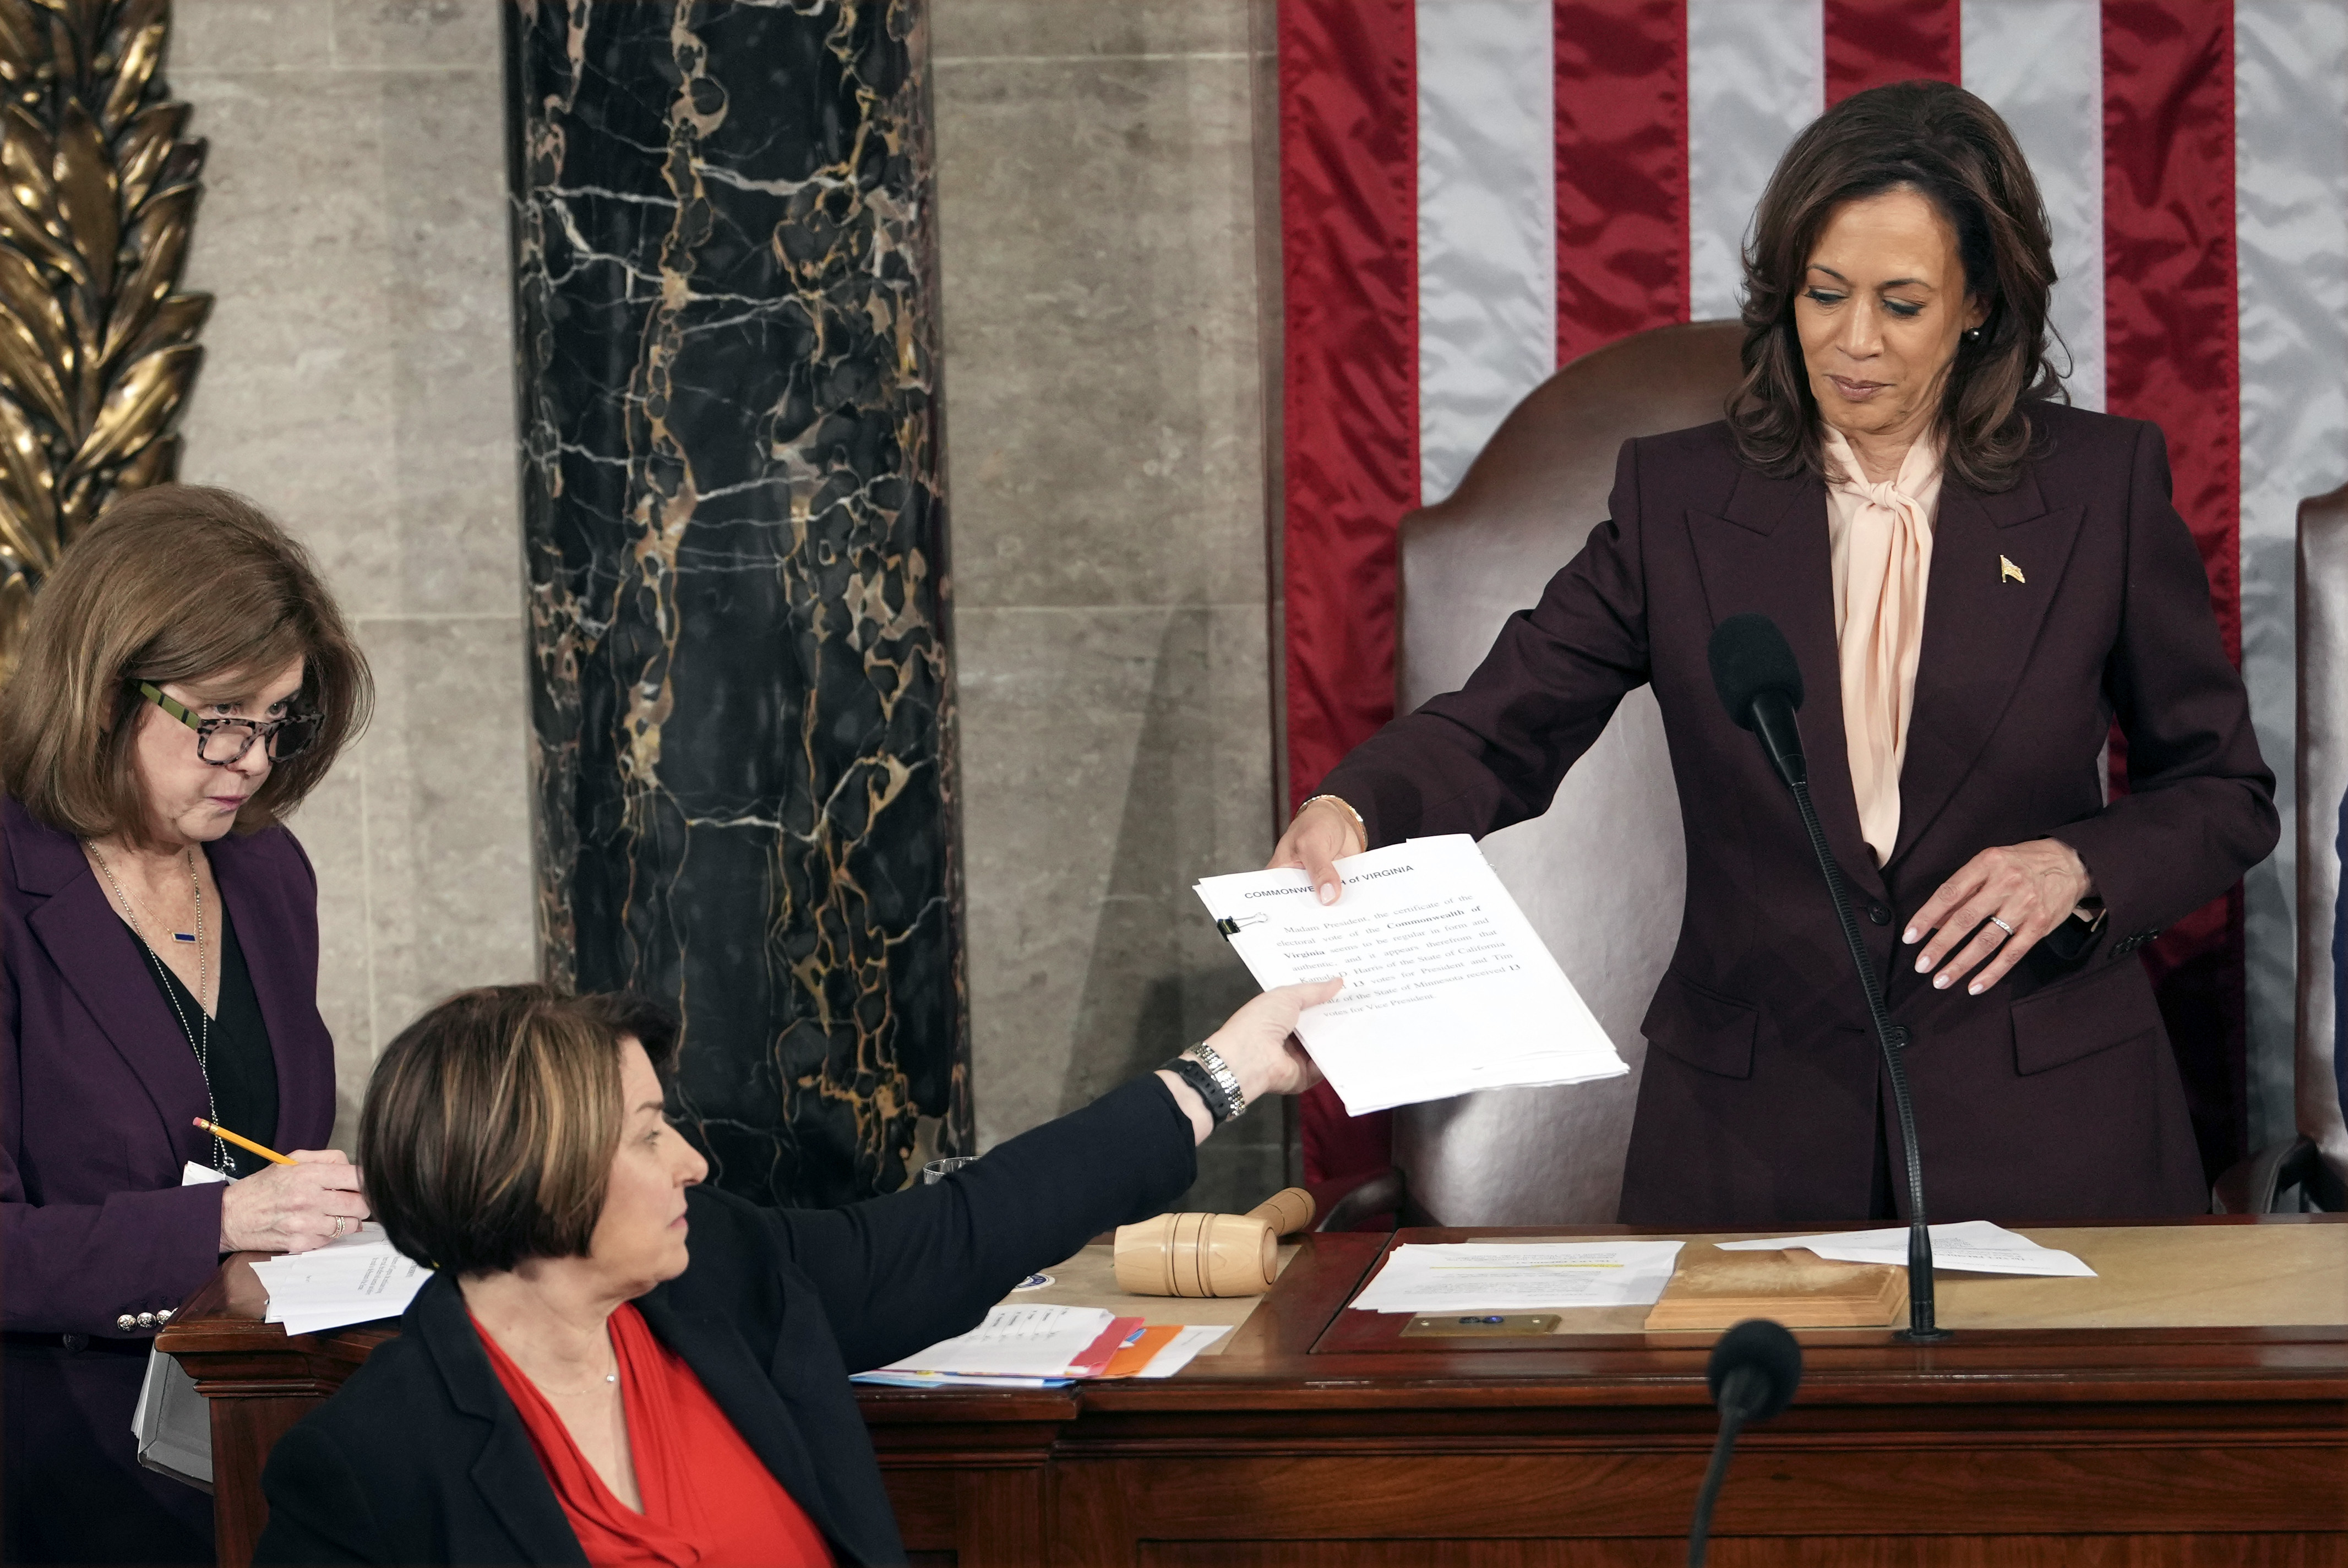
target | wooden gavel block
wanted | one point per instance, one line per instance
(1209, 1254)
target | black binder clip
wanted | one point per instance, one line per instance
(1228, 927)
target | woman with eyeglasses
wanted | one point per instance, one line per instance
(185, 681)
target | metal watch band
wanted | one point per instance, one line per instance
(1207, 1056)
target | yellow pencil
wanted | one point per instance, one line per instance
(217, 1130)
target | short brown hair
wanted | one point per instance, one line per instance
(1951, 147)
(488, 1126)
(175, 583)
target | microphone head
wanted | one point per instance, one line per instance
(1759, 1346)
(1750, 657)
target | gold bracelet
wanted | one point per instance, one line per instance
(1339, 802)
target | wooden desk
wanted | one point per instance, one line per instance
(2191, 1406)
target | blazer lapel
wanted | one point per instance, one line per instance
(109, 972)
(715, 1351)
(1996, 563)
(1768, 555)
(512, 1482)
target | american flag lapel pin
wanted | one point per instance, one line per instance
(2007, 571)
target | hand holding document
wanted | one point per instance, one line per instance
(1972, 1247)
(1447, 987)
(1483, 1276)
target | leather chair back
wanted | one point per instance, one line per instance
(1599, 876)
(2321, 782)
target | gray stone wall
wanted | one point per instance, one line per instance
(357, 383)
(1101, 255)
(1098, 239)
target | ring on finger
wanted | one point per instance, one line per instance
(339, 1227)
(2001, 925)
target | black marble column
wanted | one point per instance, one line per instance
(726, 295)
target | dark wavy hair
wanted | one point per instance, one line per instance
(1951, 147)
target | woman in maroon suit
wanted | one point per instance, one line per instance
(185, 681)
(1977, 580)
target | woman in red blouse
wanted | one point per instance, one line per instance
(574, 1386)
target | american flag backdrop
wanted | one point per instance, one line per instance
(1474, 192)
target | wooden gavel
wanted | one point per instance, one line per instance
(1210, 1255)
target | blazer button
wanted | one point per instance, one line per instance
(1878, 914)
(126, 1322)
(146, 1320)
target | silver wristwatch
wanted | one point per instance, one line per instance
(1207, 1056)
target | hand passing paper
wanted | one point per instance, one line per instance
(1447, 987)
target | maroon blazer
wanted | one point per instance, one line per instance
(98, 1087)
(2054, 1096)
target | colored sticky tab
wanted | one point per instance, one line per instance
(1102, 1351)
(1139, 1351)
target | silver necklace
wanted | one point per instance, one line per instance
(201, 1035)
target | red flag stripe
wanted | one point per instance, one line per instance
(1349, 215)
(1349, 270)
(2170, 333)
(1622, 170)
(1871, 42)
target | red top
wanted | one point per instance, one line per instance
(707, 1499)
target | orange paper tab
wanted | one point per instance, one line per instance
(1130, 1361)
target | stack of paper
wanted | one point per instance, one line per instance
(357, 1279)
(1483, 1276)
(1019, 1347)
(1972, 1247)
(1047, 1348)
(1447, 987)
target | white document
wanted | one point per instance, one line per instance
(1969, 1246)
(1483, 1276)
(952, 1380)
(357, 1279)
(1014, 1342)
(1447, 987)
(1179, 1351)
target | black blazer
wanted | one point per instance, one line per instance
(421, 1458)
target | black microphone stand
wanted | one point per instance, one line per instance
(1893, 1038)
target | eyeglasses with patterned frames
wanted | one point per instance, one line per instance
(222, 742)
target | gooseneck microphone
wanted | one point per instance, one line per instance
(1754, 1372)
(1761, 686)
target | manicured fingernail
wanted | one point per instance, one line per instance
(1910, 934)
(1975, 989)
(1328, 892)
(1939, 982)
(1923, 964)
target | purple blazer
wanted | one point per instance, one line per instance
(98, 1087)
(2056, 1095)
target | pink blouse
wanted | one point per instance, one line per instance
(1881, 538)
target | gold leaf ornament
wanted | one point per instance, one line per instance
(98, 188)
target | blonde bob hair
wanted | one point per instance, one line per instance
(174, 583)
(488, 1127)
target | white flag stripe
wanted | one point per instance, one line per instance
(2040, 64)
(1756, 76)
(2291, 217)
(1487, 223)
